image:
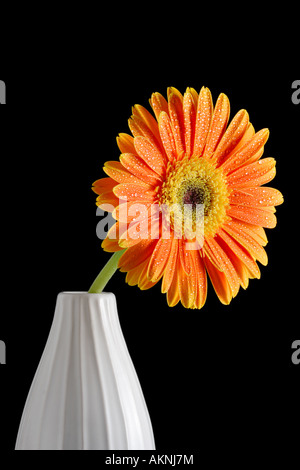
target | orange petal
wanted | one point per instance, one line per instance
(219, 282)
(261, 196)
(203, 120)
(150, 154)
(128, 211)
(111, 242)
(173, 296)
(167, 137)
(140, 129)
(134, 192)
(218, 124)
(103, 185)
(148, 119)
(255, 174)
(187, 295)
(246, 137)
(159, 104)
(252, 215)
(135, 255)
(159, 259)
(125, 143)
(247, 152)
(232, 136)
(144, 283)
(194, 95)
(137, 166)
(177, 121)
(201, 279)
(240, 232)
(111, 245)
(189, 117)
(172, 90)
(225, 264)
(107, 201)
(241, 253)
(141, 229)
(170, 267)
(184, 255)
(118, 173)
(132, 277)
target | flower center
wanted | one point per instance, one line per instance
(194, 195)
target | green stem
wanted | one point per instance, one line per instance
(106, 273)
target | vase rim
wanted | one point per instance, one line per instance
(84, 293)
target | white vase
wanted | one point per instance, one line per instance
(85, 393)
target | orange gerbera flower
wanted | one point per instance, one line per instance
(188, 157)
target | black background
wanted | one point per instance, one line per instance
(221, 374)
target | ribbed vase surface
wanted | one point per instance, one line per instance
(85, 394)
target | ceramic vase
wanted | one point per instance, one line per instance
(85, 394)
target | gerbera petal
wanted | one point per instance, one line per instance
(177, 121)
(167, 137)
(241, 253)
(194, 95)
(137, 166)
(189, 116)
(184, 255)
(201, 278)
(256, 197)
(107, 201)
(139, 128)
(252, 215)
(240, 232)
(225, 264)
(128, 211)
(150, 154)
(159, 259)
(255, 174)
(172, 90)
(136, 254)
(132, 277)
(148, 119)
(247, 152)
(134, 192)
(118, 173)
(232, 136)
(218, 125)
(144, 283)
(170, 266)
(113, 235)
(186, 293)
(111, 245)
(250, 132)
(104, 185)
(203, 120)
(173, 296)
(159, 104)
(141, 229)
(125, 143)
(219, 282)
